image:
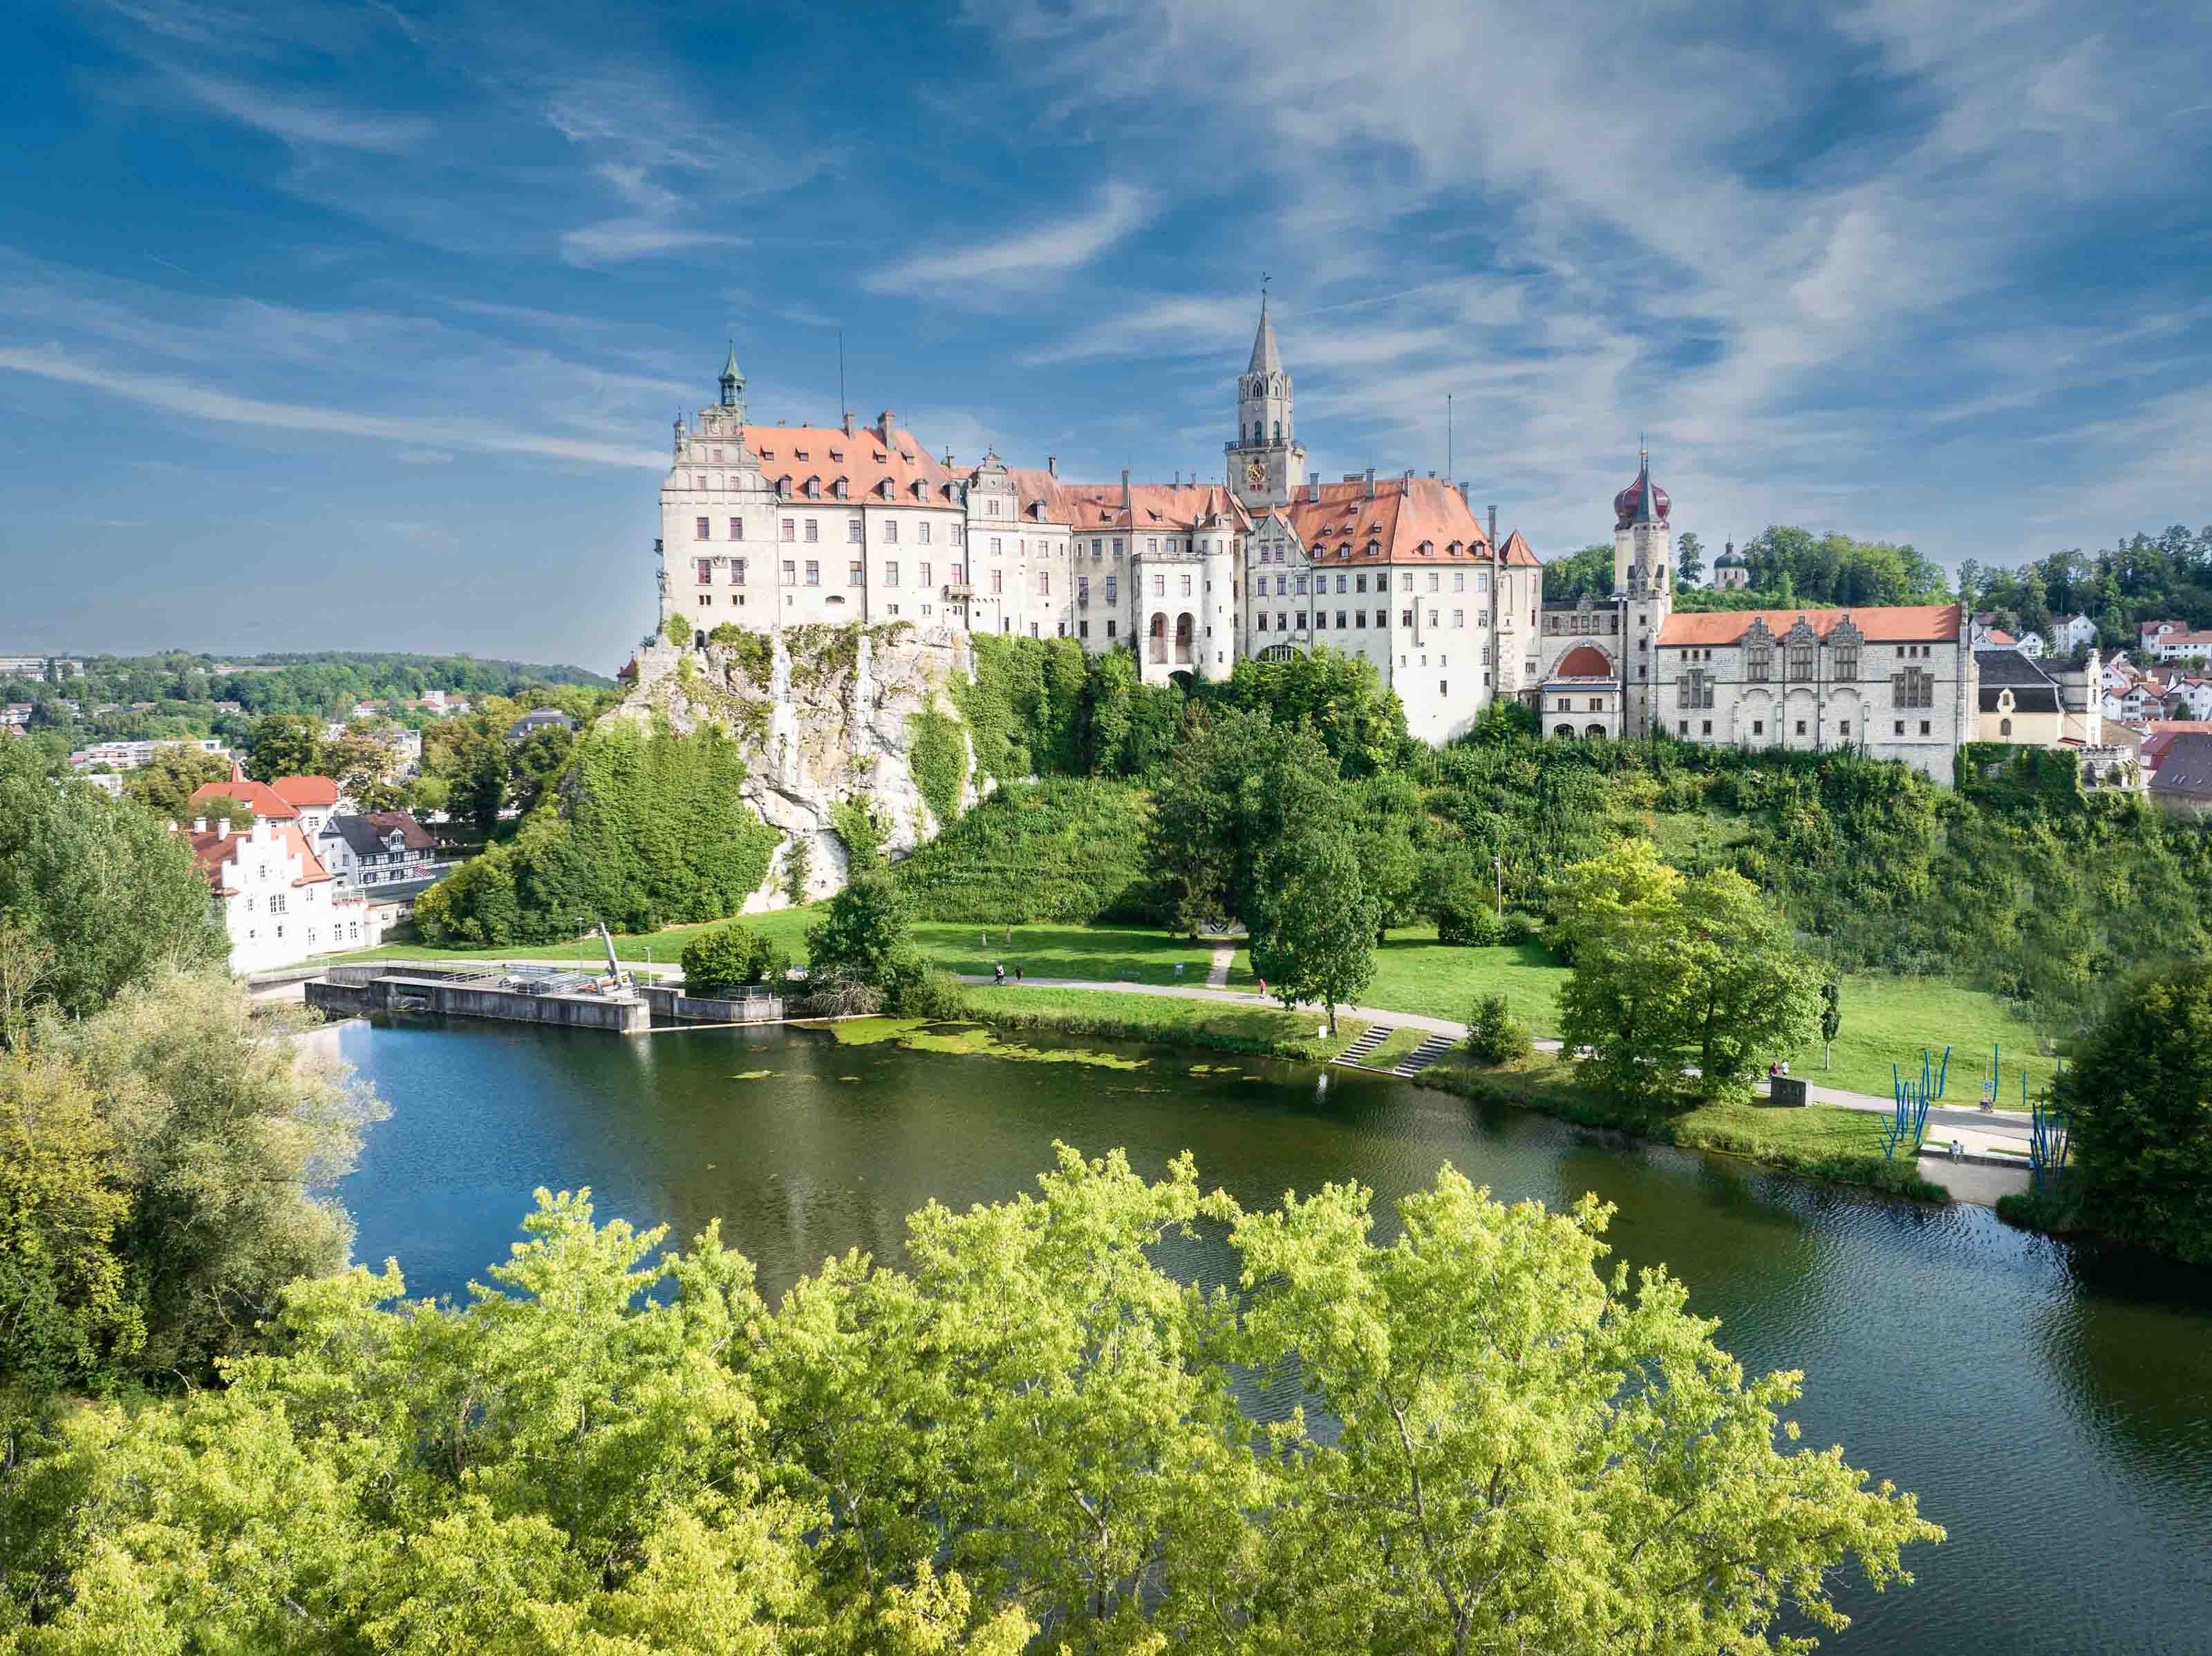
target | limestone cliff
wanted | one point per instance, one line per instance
(825, 715)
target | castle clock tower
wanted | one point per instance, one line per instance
(1266, 460)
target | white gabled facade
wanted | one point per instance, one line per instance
(277, 903)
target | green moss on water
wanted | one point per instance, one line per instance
(752, 1074)
(969, 1041)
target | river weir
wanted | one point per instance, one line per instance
(2050, 1405)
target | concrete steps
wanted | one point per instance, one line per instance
(1374, 1035)
(1429, 1052)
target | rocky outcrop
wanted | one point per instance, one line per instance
(825, 716)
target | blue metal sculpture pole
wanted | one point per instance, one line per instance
(2048, 1137)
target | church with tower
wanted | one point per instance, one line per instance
(767, 526)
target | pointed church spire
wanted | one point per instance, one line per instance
(1266, 359)
(733, 380)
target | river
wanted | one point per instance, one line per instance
(2051, 1407)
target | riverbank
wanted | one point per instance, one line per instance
(1818, 1140)
(1106, 1014)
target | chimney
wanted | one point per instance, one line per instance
(1125, 502)
(889, 422)
(1493, 526)
(222, 829)
(1463, 500)
(199, 825)
(848, 422)
(1313, 486)
(1052, 465)
(1409, 474)
(1370, 483)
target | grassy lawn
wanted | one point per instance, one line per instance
(1115, 954)
(1111, 1014)
(1399, 1043)
(1886, 1020)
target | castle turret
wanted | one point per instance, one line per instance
(1264, 459)
(1643, 558)
(733, 386)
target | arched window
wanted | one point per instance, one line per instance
(2004, 729)
(1278, 431)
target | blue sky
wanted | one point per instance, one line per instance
(361, 325)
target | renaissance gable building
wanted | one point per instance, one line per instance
(768, 526)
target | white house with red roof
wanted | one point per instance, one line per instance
(278, 903)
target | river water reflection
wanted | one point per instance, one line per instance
(2053, 1411)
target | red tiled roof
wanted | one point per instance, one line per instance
(1914, 623)
(1165, 508)
(265, 800)
(864, 460)
(212, 850)
(1404, 515)
(305, 790)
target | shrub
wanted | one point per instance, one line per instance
(716, 962)
(1467, 924)
(1521, 927)
(1495, 1036)
(1065, 849)
(675, 630)
(938, 996)
(837, 991)
(798, 868)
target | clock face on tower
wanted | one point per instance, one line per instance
(1256, 473)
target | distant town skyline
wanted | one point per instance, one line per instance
(360, 326)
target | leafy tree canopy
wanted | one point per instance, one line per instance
(1029, 1423)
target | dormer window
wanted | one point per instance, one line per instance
(783, 489)
(837, 455)
(814, 486)
(838, 487)
(799, 454)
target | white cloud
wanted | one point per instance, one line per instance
(613, 241)
(200, 402)
(297, 122)
(1026, 255)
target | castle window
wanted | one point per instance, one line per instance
(1800, 661)
(738, 574)
(790, 573)
(1459, 617)
(737, 529)
(791, 529)
(1847, 661)
(922, 531)
(813, 572)
(706, 571)
(854, 574)
(890, 531)
(1759, 663)
(814, 528)
(702, 531)
(890, 574)
(1278, 431)
(853, 531)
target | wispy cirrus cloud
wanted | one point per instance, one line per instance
(302, 121)
(202, 402)
(1050, 249)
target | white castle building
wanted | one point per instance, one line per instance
(770, 526)
(764, 527)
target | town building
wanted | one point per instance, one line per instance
(378, 848)
(278, 904)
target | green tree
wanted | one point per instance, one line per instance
(2138, 1095)
(284, 745)
(1027, 1421)
(1689, 559)
(366, 769)
(1831, 1019)
(1535, 1453)
(164, 784)
(101, 887)
(1669, 973)
(1312, 923)
(730, 957)
(1193, 837)
(1589, 570)
(866, 933)
(226, 806)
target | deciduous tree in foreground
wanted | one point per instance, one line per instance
(1030, 1426)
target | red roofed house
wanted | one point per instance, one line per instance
(268, 805)
(279, 905)
(315, 798)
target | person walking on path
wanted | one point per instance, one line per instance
(999, 972)
(1018, 971)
